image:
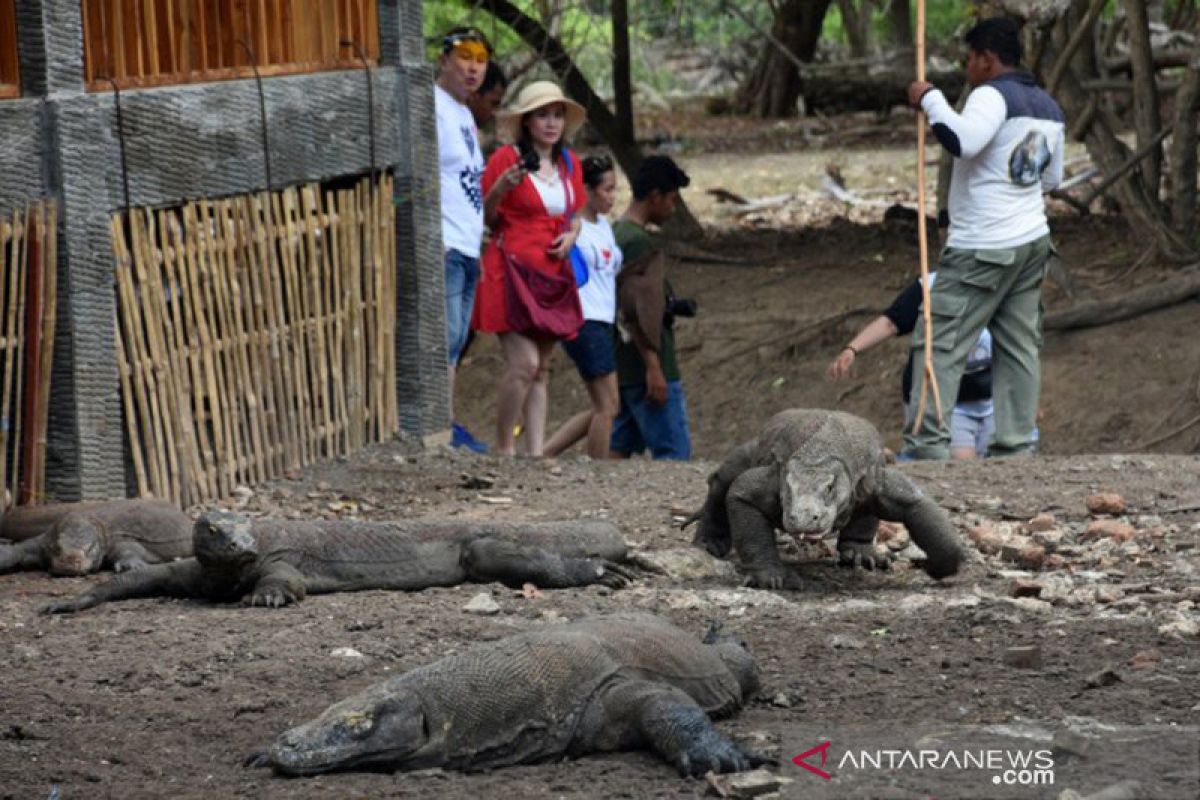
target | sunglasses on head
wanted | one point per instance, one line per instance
(598, 163)
(467, 44)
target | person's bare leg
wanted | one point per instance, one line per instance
(606, 402)
(537, 402)
(520, 371)
(962, 453)
(571, 432)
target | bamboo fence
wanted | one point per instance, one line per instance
(28, 299)
(255, 335)
(155, 42)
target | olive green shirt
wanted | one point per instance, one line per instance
(635, 243)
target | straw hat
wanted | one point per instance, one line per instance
(534, 96)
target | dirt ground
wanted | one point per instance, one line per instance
(154, 698)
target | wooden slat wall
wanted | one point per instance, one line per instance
(27, 245)
(10, 75)
(158, 42)
(255, 335)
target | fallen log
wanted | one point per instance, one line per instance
(1129, 305)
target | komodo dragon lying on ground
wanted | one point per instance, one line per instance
(275, 562)
(813, 472)
(619, 682)
(78, 538)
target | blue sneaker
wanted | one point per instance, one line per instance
(461, 437)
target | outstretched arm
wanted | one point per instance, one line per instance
(877, 330)
(667, 720)
(488, 560)
(898, 499)
(177, 579)
(22, 555)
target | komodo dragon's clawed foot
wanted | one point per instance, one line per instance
(773, 576)
(127, 564)
(857, 554)
(711, 751)
(271, 597)
(60, 607)
(614, 576)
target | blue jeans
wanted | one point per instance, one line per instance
(641, 424)
(462, 276)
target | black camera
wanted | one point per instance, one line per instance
(530, 160)
(678, 307)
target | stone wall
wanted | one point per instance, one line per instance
(205, 140)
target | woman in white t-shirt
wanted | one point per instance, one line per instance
(593, 349)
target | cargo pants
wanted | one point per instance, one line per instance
(1000, 289)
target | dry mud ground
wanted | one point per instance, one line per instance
(163, 698)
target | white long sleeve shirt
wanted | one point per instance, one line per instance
(1008, 148)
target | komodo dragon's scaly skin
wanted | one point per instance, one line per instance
(619, 682)
(811, 473)
(275, 562)
(78, 538)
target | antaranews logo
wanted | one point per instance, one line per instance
(1010, 767)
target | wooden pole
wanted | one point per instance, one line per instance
(31, 402)
(928, 377)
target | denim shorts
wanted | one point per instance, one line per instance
(462, 276)
(641, 425)
(593, 350)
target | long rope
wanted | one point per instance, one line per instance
(928, 377)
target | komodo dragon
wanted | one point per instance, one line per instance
(78, 538)
(813, 472)
(275, 562)
(616, 682)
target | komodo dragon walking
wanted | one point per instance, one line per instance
(810, 473)
(274, 562)
(615, 682)
(78, 538)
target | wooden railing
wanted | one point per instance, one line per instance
(157, 42)
(10, 75)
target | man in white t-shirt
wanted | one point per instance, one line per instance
(1008, 148)
(461, 68)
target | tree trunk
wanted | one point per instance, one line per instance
(1146, 119)
(856, 21)
(900, 32)
(1183, 153)
(622, 81)
(774, 85)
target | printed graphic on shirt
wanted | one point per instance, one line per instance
(1029, 158)
(471, 180)
(468, 134)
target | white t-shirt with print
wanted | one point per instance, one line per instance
(599, 247)
(460, 163)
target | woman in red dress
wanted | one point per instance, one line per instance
(532, 191)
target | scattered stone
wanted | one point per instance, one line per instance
(1068, 741)
(1032, 604)
(683, 563)
(482, 604)
(1024, 657)
(1023, 587)
(1124, 790)
(1032, 557)
(1040, 523)
(718, 784)
(781, 700)
(1106, 593)
(684, 601)
(1049, 539)
(1105, 503)
(986, 539)
(1181, 628)
(345, 652)
(1112, 529)
(1146, 659)
(755, 783)
(892, 534)
(494, 500)
(912, 553)
(1101, 678)
(1056, 588)
(476, 482)
(842, 642)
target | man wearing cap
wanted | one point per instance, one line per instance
(461, 68)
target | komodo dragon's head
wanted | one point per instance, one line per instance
(813, 496)
(377, 729)
(75, 546)
(223, 540)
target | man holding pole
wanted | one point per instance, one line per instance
(1008, 148)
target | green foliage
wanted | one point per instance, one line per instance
(943, 21)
